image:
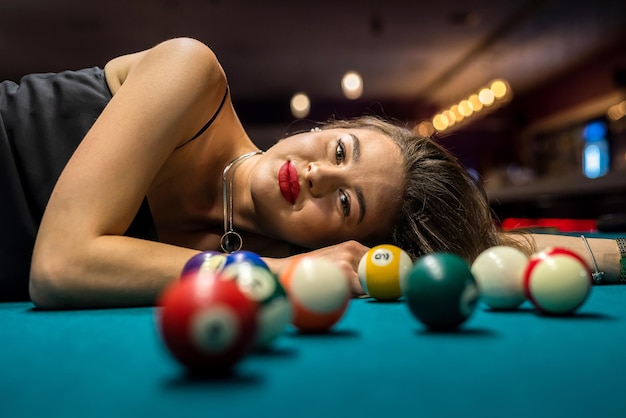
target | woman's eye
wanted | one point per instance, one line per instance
(340, 151)
(344, 199)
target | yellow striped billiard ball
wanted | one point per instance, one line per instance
(383, 271)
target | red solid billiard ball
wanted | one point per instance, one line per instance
(557, 281)
(208, 324)
(319, 293)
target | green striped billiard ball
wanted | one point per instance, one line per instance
(441, 291)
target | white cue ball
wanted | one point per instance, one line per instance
(499, 272)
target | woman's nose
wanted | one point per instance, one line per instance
(322, 179)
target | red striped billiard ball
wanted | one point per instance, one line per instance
(557, 281)
(208, 324)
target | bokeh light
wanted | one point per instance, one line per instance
(486, 97)
(300, 105)
(499, 89)
(494, 94)
(352, 85)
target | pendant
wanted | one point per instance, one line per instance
(231, 241)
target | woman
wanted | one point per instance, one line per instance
(162, 169)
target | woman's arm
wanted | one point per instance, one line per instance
(605, 250)
(81, 258)
(348, 254)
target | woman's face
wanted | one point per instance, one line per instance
(323, 187)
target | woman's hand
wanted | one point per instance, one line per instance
(345, 255)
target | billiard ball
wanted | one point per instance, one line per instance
(499, 272)
(557, 281)
(383, 270)
(207, 325)
(211, 261)
(318, 290)
(441, 291)
(245, 256)
(263, 287)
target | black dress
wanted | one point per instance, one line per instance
(43, 119)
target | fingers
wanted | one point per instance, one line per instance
(345, 255)
(355, 284)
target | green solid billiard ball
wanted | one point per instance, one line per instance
(262, 286)
(441, 291)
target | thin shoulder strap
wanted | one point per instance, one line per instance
(206, 125)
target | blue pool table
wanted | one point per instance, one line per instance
(377, 362)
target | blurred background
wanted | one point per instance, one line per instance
(530, 95)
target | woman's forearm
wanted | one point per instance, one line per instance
(109, 271)
(605, 250)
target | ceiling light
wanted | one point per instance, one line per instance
(499, 89)
(300, 105)
(352, 85)
(486, 97)
(477, 105)
(440, 122)
(466, 108)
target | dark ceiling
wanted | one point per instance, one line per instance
(414, 55)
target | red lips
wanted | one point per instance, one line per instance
(288, 182)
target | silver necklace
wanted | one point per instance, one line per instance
(231, 240)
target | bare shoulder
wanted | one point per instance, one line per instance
(188, 53)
